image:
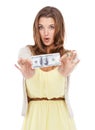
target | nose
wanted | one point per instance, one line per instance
(46, 31)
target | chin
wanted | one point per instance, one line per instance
(48, 44)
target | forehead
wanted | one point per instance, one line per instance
(46, 20)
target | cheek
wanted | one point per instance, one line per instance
(41, 34)
(52, 35)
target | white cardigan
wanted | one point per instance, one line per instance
(26, 53)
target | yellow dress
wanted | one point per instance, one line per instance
(47, 114)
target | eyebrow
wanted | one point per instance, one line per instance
(49, 24)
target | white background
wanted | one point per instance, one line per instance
(16, 19)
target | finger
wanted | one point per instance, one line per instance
(74, 56)
(73, 51)
(28, 64)
(64, 56)
(17, 67)
(75, 62)
(24, 63)
(20, 61)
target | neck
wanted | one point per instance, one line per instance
(48, 48)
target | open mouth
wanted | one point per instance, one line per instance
(46, 39)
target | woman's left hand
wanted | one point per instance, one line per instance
(68, 62)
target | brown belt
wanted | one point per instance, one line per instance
(39, 99)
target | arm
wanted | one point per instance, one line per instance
(68, 62)
(24, 66)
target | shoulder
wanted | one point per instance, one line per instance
(24, 52)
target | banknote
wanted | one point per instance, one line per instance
(46, 60)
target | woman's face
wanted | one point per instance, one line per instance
(47, 30)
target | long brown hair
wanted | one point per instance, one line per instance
(39, 47)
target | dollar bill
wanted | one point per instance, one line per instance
(46, 60)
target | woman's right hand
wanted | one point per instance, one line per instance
(25, 67)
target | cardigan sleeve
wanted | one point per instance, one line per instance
(25, 99)
(24, 53)
(67, 97)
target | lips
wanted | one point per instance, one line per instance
(46, 39)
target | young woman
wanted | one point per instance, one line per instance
(46, 104)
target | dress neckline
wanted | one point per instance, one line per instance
(48, 71)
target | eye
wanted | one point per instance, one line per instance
(52, 27)
(40, 27)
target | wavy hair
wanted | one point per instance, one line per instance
(39, 47)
